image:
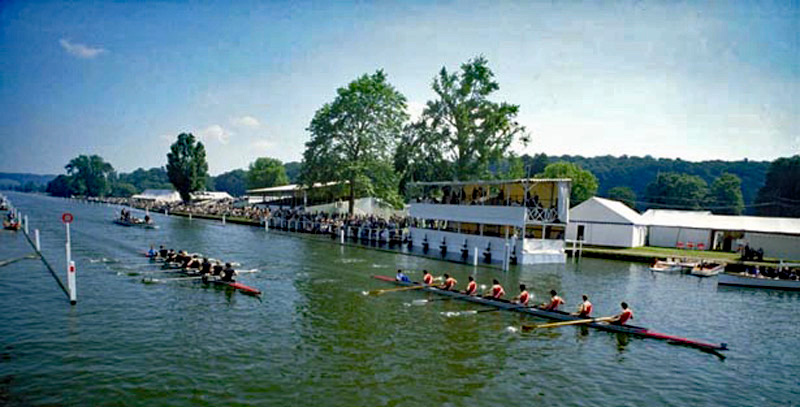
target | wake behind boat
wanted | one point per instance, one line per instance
(561, 316)
(135, 222)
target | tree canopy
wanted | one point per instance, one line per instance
(584, 183)
(186, 165)
(726, 195)
(266, 172)
(780, 195)
(462, 128)
(90, 175)
(352, 137)
(624, 195)
(673, 190)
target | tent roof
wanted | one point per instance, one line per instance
(707, 220)
(491, 182)
(606, 210)
(292, 188)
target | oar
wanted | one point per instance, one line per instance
(389, 290)
(473, 312)
(162, 280)
(565, 323)
(424, 301)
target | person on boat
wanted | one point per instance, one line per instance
(205, 267)
(152, 253)
(192, 263)
(402, 277)
(555, 302)
(584, 308)
(496, 291)
(217, 269)
(162, 252)
(523, 297)
(624, 316)
(172, 256)
(228, 273)
(472, 286)
(427, 278)
(449, 283)
(147, 219)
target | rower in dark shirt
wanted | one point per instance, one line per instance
(218, 268)
(162, 252)
(205, 267)
(227, 273)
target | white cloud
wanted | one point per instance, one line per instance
(80, 50)
(215, 132)
(246, 121)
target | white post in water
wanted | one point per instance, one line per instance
(341, 236)
(26, 225)
(166, 212)
(190, 216)
(73, 288)
(506, 253)
(223, 219)
(475, 257)
(36, 240)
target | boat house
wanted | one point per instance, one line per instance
(523, 219)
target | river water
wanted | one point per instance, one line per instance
(315, 339)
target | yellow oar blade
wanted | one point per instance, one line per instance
(379, 292)
(565, 323)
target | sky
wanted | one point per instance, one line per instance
(690, 80)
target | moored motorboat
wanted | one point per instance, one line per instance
(707, 269)
(12, 225)
(747, 280)
(135, 222)
(563, 316)
(666, 266)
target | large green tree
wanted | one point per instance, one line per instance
(186, 165)
(677, 191)
(266, 172)
(466, 128)
(90, 175)
(60, 186)
(780, 195)
(353, 137)
(624, 195)
(726, 195)
(584, 183)
(233, 182)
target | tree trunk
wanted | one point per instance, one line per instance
(352, 201)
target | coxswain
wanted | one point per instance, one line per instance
(496, 291)
(427, 278)
(624, 316)
(449, 283)
(227, 273)
(152, 253)
(585, 308)
(472, 286)
(402, 277)
(555, 302)
(523, 297)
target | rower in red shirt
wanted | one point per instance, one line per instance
(472, 287)
(427, 278)
(624, 316)
(523, 296)
(555, 302)
(585, 308)
(449, 282)
(496, 291)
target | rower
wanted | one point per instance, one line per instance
(555, 302)
(217, 269)
(227, 273)
(205, 267)
(427, 278)
(472, 286)
(152, 253)
(523, 297)
(624, 316)
(449, 283)
(585, 308)
(402, 277)
(496, 291)
(162, 252)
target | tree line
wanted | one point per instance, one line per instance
(366, 139)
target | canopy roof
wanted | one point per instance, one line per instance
(604, 210)
(707, 220)
(283, 189)
(490, 182)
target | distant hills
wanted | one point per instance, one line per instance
(12, 180)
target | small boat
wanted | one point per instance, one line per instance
(563, 316)
(12, 225)
(665, 266)
(707, 269)
(135, 222)
(748, 280)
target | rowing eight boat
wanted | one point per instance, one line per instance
(563, 316)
